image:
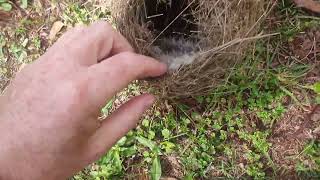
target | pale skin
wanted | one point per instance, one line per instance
(49, 127)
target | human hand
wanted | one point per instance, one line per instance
(49, 127)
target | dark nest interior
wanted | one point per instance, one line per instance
(175, 17)
(201, 41)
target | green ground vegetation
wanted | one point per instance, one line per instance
(228, 135)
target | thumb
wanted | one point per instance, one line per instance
(118, 124)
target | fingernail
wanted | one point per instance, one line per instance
(150, 99)
(163, 67)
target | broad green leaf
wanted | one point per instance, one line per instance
(165, 133)
(156, 169)
(6, 6)
(146, 142)
(24, 4)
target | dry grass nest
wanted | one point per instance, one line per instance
(222, 30)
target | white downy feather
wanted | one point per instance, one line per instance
(175, 52)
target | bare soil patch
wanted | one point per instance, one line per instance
(291, 133)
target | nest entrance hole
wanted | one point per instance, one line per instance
(159, 15)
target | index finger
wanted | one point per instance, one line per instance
(90, 45)
(114, 74)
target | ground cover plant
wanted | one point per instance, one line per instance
(263, 122)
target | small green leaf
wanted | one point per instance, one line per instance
(168, 146)
(316, 87)
(318, 100)
(151, 135)
(107, 108)
(2, 44)
(146, 154)
(24, 4)
(117, 163)
(122, 141)
(145, 123)
(188, 177)
(6, 6)
(129, 152)
(25, 42)
(156, 169)
(22, 56)
(1, 52)
(165, 133)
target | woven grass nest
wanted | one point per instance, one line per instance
(200, 40)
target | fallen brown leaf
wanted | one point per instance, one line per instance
(56, 28)
(309, 5)
(4, 16)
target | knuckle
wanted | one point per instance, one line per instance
(103, 29)
(72, 34)
(131, 64)
(103, 25)
(80, 27)
(128, 60)
(79, 30)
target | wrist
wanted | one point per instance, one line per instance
(6, 160)
(12, 152)
(15, 166)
